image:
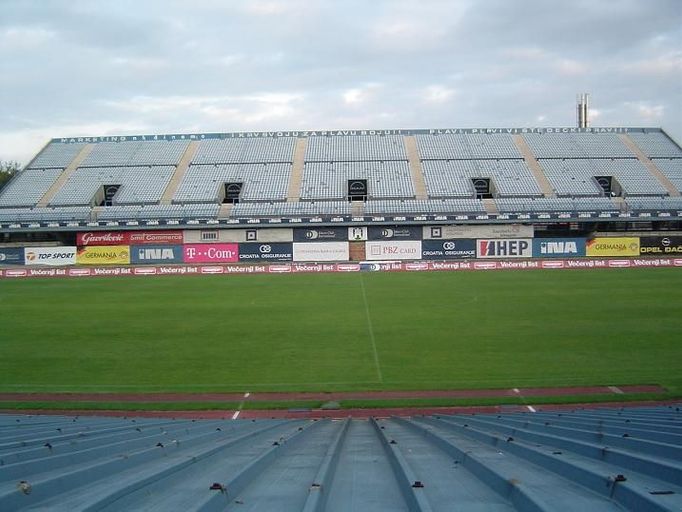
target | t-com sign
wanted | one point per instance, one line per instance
(210, 253)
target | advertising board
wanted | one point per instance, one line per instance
(492, 231)
(448, 249)
(52, 256)
(103, 255)
(505, 248)
(12, 256)
(558, 247)
(397, 250)
(613, 246)
(210, 253)
(210, 236)
(129, 238)
(660, 245)
(321, 234)
(146, 254)
(394, 233)
(322, 251)
(266, 252)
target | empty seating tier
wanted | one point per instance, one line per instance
(577, 145)
(28, 186)
(576, 177)
(330, 180)
(56, 155)
(245, 150)
(453, 178)
(136, 153)
(355, 148)
(138, 184)
(261, 182)
(671, 169)
(466, 146)
(656, 144)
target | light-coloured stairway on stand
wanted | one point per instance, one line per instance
(296, 180)
(180, 170)
(415, 167)
(534, 166)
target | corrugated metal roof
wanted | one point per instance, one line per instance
(602, 459)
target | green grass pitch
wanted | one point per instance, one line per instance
(330, 332)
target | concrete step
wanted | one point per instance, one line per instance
(180, 170)
(415, 167)
(294, 190)
(534, 166)
(490, 206)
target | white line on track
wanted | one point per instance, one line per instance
(371, 331)
(531, 408)
(247, 395)
(516, 390)
(236, 415)
(615, 389)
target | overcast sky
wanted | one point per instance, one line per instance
(100, 67)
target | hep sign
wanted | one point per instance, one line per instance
(504, 248)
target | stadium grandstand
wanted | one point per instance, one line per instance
(570, 460)
(462, 175)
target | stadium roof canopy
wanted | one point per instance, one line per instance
(308, 177)
(602, 459)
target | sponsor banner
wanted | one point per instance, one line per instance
(313, 267)
(145, 271)
(79, 272)
(12, 256)
(505, 248)
(553, 264)
(558, 247)
(394, 233)
(398, 250)
(492, 231)
(450, 265)
(660, 245)
(320, 234)
(613, 246)
(103, 255)
(177, 270)
(266, 252)
(358, 234)
(279, 269)
(156, 254)
(129, 238)
(448, 249)
(211, 270)
(16, 273)
(52, 256)
(155, 238)
(109, 271)
(323, 251)
(210, 236)
(210, 253)
(485, 265)
(619, 263)
(347, 267)
(420, 266)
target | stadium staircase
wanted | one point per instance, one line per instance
(225, 210)
(490, 206)
(534, 166)
(646, 161)
(294, 191)
(180, 170)
(357, 208)
(64, 176)
(415, 167)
